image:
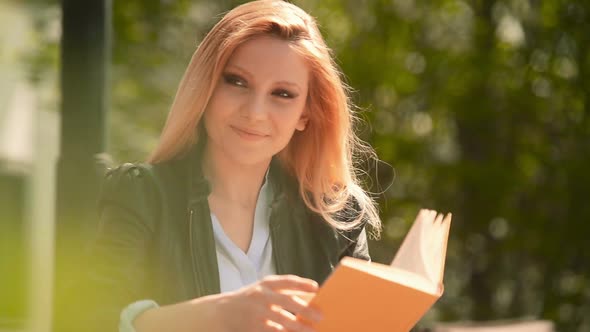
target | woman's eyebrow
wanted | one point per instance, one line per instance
(296, 88)
(295, 85)
(231, 66)
(239, 69)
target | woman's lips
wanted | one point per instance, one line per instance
(248, 133)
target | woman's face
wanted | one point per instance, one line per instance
(258, 102)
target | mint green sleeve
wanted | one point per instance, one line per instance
(132, 311)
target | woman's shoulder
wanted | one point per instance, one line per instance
(128, 174)
(129, 185)
(139, 174)
(135, 169)
(142, 184)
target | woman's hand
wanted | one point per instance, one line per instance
(271, 304)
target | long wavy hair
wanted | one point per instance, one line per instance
(322, 156)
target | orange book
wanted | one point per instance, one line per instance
(368, 296)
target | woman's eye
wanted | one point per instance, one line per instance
(284, 94)
(234, 80)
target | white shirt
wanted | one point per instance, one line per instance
(236, 267)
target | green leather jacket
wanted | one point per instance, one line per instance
(156, 240)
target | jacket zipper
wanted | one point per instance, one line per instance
(192, 249)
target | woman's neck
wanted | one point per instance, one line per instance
(231, 181)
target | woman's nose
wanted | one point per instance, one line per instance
(255, 108)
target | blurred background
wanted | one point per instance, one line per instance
(480, 108)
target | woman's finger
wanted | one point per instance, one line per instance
(270, 326)
(287, 320)
(290, 282)
(305, 296)
(292, 304)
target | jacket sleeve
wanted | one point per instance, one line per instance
(355, 244)
(354, 241)
(360, 247)
(118, 259)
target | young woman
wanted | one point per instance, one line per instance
(249, 200)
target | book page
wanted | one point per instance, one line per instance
(434, 246)
(423, 250)
(409, 254)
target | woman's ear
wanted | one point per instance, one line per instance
(302, 122)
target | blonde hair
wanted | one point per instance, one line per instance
(320, 157)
